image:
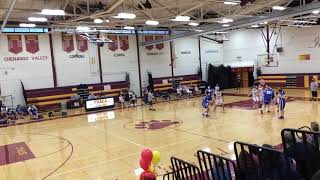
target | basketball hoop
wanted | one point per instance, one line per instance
(267, 60)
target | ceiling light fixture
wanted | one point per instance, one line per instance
(226, 25)
(279, 8)
(152, 23)
(125, 16)
(193, 24)
(83, 28)
(231, 2)
(53, 12)
(255, 26)
(37, 19)
(107, 20)
(225, 20)
(27, 25)
(128, 27)
(181, 18)
(316, 12)
(98, 21)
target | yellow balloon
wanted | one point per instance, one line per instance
(155, 157)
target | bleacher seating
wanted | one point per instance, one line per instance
(183, 170)
(51, 98)
(167, 83)
(255, 162)
(216, 166)
(303, 146)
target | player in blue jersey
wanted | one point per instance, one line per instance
(281, 101)
(205, 104)
(268, 96)
(209, 92)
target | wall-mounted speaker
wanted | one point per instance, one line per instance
(280, 49)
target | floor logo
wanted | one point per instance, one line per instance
(153, 124)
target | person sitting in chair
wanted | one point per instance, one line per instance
(33, 111)
(91, 96)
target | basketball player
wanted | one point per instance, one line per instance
(219, 100)
(11, 115)
(121, 100)
(209, 92)
(268, 96)
(255, 97)
(150, 101)
(133, 99)
(4, 110)
(260, 95)
(281, 101)
(179, 91)
(33, 111)
(216, 89)
(19, 111)
(205, 104)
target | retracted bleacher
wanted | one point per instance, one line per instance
(170, 83)
(51, 98)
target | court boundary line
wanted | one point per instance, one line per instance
(119, 108)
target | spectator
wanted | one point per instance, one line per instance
(305, 154)
(221, 172)
(314, 89)
(275, 165)
(91, 96)
(238, 82)
(247, 166)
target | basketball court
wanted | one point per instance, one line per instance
(87, 87)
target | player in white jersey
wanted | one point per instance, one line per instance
(255, 97)
(216, 89)
(219, 100)
(260, 94)
(121, 100)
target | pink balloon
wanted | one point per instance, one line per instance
(147, 155)
(147, 176)
(144, 164)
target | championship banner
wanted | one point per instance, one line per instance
(149, 38)
(113, 46)
(124, 42)
(14, 43)
(82, 44)
(161, 45)
(67, 42)
(32, 43)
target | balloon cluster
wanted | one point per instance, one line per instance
(148, 157)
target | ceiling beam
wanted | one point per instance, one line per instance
(191, 9)
(108, 11)
(245, 22)
(13, 3)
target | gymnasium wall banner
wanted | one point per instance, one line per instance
(304, 57)
(82, 44)
(149, 38)
(14, 43)
(113, 46)
(161, 45)
(103, 103)
(67, 42)
(32, 43)
(124, 42)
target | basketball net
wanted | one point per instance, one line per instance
(93, 62)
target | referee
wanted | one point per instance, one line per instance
(314, 89)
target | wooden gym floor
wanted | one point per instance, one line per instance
(107, 145)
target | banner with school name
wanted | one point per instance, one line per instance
(14, 43)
